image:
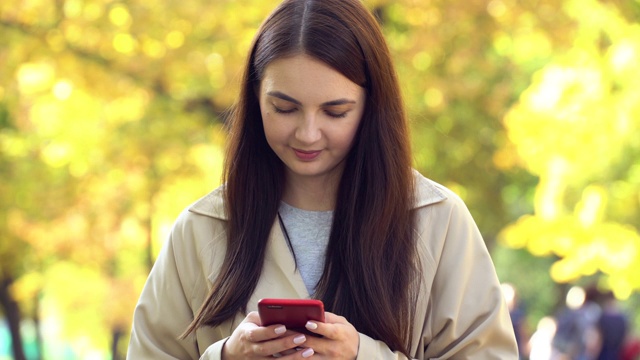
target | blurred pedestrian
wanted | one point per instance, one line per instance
(612, 326)
(539, 346)
(518, 316)
(577, 337)
(631, 348)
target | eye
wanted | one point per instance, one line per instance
(283, 111)
(335, 114)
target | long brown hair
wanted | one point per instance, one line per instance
(370, 274)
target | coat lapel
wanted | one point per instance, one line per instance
(280, 278)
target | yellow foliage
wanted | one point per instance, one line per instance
(28, 287)
(591, 208)
(551, 189)
(56, 154)
(565, 270)
(127, 108)
(119, 16)
(62, 89)
(174, 39)
(565, 111)
(77, 296)
(583, 248)
(571, 127)
(124, 43)
(35, 77)
(434, 98)
(153, 48)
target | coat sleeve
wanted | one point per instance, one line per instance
(163, 311)
(375, 349)
(467, 316)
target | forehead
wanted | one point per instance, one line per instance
(304, 76)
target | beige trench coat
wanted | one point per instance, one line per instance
(461, 313)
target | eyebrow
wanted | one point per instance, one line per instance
(288, 98)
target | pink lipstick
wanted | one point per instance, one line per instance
(306, 155)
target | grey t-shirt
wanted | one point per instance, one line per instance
(308, 233)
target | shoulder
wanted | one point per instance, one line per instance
(198, 221)
(210, 205)
(428, 193)
(198, 237)
(202, 224)
(442, 218)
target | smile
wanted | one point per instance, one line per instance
(306, 155)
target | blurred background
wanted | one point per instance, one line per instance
(111, 122)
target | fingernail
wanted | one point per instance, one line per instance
(307, 353)
(280, 330)
(299, 339)
(311, 325)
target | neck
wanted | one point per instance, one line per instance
(311, 193)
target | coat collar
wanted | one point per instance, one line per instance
(427, 192)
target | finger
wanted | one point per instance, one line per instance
(279, 346)
(260, 334)
(332, 318)
(339, 336)
(288, 352)
(328, 328)
(335, 327)
(300, 353)
(319, 328)
(253, 317)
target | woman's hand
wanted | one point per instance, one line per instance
(340, 339)
(252, 341)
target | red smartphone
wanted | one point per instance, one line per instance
(292, 313)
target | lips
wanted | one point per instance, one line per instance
(306, 155)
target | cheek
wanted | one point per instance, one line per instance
(348, 136)
(266, 125)
(271, 130)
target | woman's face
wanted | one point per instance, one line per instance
(310, 113)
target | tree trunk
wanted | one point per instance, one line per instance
(149, 220)
(149, 252)
(12, 311)
(116, 334)
(36, 321)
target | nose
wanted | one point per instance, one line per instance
(308, 130)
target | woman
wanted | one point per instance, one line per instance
(320, 201)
